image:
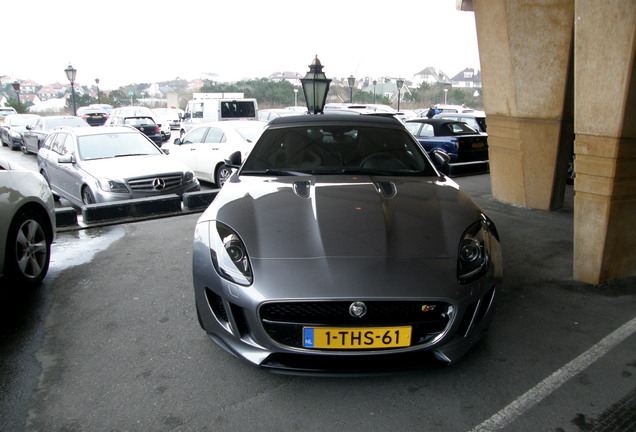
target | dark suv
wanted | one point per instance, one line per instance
(145, 125)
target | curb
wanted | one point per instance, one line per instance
(67, 218)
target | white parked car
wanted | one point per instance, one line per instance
(170, 116)
(27, 228)
(206, 147)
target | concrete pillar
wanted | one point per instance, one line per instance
(525, 52)
(605, 145)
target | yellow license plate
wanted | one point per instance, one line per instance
(356, 337)
(479, 145)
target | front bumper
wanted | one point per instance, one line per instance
(233, 317)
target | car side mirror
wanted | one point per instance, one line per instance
(441, 161)
(234, 161)
(66, 159)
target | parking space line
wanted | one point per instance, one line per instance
(542, 390)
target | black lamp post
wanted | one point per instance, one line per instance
(315, 86)
(16, 87)
(70, 74)
(352, 81)
(400, 83)
(99, 98)
(374, 84)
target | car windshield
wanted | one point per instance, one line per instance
(337, 150)
(110, 145)
(250, 133)
(22, 121)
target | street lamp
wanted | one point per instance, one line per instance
(70, 74)
(352, 81)
(315, 86)
(16, 87)
(374, 84)
(99, 98)
(400, 83)
(445, 96)
(295, 97)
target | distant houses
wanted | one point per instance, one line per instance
(34, 93)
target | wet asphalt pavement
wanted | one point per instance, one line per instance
(111, 342)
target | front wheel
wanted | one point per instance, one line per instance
(28, 249)
(222, 174)
(87, 196)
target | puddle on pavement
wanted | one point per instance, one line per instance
(79, 247)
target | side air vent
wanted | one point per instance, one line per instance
(387, 189)
(302, 188)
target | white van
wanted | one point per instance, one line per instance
(208, 108)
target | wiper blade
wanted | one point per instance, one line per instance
(356, 171)
(131, 154)
(278, 172)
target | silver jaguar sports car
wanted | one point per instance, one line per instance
(338, 246)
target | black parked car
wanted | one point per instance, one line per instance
(145, 125)
(37, 132)
(94, 116)
(13, 127)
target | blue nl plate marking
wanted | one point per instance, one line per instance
(308, 337)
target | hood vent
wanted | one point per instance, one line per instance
(302, 188)
(387, 189)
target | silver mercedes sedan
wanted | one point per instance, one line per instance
(340, 247)
(105, 164)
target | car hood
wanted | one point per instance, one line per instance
(349, 217)
(132, 166)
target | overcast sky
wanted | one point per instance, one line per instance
(140, 41)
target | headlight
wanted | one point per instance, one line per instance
(473, 256)
(229, 255)
(108, 185)
(188, 177)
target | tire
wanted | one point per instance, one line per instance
(28, 250)
(223, 172)
(87, 196)
(48, 182)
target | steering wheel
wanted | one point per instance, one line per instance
(383, 161)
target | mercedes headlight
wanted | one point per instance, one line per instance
(229, 255)
(473, 256)
(188, 177)
(108, 185)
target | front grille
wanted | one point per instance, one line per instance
(159, 184)
(284, 322)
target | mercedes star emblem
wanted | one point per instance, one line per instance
(158, 184)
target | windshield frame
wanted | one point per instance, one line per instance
(124, 144)
(338, 149)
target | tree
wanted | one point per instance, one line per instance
(20, 107)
